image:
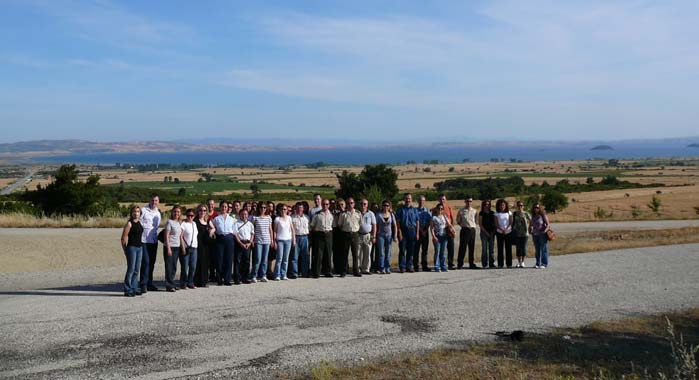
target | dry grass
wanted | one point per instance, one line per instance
(18, 220)
(610, 350)
(595, 241)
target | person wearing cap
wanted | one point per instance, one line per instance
(466, 219)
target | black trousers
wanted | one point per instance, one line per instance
(338, 249)
(504, 244)
(213, 261)
(242, 271)
(467, 239)
(345, 246)
(226, 253)
(201, 275)
(321, 262)
(450, 251)
(421, 248)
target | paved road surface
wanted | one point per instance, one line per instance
(229, 332)
(18, 184)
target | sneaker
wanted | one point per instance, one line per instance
(446, 270)
(263, 279)
(436, 270)
(285, 278)
(277, 279)
(253, 281)
(536, 267)
(542, 266)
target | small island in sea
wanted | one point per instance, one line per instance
(602, 147)
(695, 145)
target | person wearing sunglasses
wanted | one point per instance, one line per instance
(503, 233)
(387, 232)
(172, 247)
(245, 233)
(132, 246)
(263, 239)
(466, 219)
(283, 237)
(439, 225)
(349, 222)
(206, 236)
(300, 260)
(538, 228)
(188, 261)
(486, 223)
(322, 227)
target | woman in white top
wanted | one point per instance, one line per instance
(283, 238)
(503, 232)
(188, 260)
(173, 243)
(439, 224)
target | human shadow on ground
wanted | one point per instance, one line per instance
(112, 289)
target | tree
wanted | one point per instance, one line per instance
(255, 189)
(655, 204)
(418, 186)
(66, 195)
(380, 177)
(182, 192)
(554, 200)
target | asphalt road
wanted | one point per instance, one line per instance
(257, 330)
(18, 184)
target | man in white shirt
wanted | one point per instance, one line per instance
(367, 234)
(225, 243)
(150, 220)
(466, 219)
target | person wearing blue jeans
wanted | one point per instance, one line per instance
(541, 246)
(283, 239)
(538, 229)
(407, 218)
(439, 225)
(133, 250)
(150, 220)
(259, 263)
(300, 260)
(386, 233)
(282, 264)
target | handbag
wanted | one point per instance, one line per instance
(451, 231)
(551, 235)
(161, 236)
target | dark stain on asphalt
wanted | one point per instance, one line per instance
(410, 325)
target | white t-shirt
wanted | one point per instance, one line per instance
(189, 234)
(282, 227)
(245, 230)
(504, 221)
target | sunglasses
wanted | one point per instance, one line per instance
(385, 205)
(192, 215)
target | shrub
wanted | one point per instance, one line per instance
(655, 204)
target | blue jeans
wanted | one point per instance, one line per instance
(487, 250)
(170, 266)
(150, 253)
(383, 251)
(134, 256)
(188, 265)
(259, 261)
(541, 245)
(300, 261)
(440, 251)
(282, 263)
(406, 248)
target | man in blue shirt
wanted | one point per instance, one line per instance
(408, 219)
(423, 239)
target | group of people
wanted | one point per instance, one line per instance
(242, 243)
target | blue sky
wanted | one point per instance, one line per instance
(357, 70)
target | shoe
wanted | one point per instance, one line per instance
(328, 275)
(426, 269)
(451, 267)
(342, 275)
(152, 289)
(184, 287)
(277, 279)
(293, 277)
(387, 271)
(170, 290)
(367, 273)
(437, 270)
(192, 286)
(227, 284)
(357, 275)
(263, 279)
(402, 270)
(236, 282)
(473, 266)
(536, 267)
(316, 276)
(542, 266)
(285, 278)
(411, 270)
(445, 270)
(220, 283)
(253, 281)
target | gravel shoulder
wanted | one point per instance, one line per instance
(233, 332)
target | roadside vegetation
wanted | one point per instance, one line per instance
(659, 347)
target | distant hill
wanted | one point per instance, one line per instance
(695, 145)
(602, 147)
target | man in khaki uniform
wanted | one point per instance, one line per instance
(322, 227)
(466, 218)
(349, 223)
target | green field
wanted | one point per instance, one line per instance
(193, 187)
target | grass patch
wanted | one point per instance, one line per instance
(631, 348)
(594, 241)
